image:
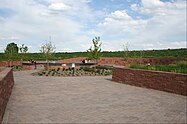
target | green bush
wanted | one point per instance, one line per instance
(58, 69)
(40, 74)
(178, 67)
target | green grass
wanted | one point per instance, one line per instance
(178, 67)
(169, 53)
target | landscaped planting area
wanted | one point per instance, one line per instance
(82, 71)
(178, 67)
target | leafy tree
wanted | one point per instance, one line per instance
(47, 50)
(126, 50)
(94, 52)
(11, 51)
(11, 48)
(23, 48)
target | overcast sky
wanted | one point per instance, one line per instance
(71, 24)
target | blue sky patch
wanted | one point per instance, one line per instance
(6, 12)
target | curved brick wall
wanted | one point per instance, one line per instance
(6, 85)
(164, 81)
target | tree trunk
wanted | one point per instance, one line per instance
(47, 64)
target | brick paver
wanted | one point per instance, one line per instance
(89, 100)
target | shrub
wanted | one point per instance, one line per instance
(53, 73)
(58, 69)
(178, 67)
(39, 73)
(48, 72)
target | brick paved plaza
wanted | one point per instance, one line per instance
(89, 100)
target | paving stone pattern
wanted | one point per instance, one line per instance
(89, 100)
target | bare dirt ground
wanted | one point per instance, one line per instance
(89, 100)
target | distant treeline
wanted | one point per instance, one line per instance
(169, 53)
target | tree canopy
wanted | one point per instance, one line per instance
(11, 48)
(23, 48)
(47, 50)
(94, 52)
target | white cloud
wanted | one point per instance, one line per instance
(165, 27)
(120, 22)
(33, 23)
(85, 1)
(157, 7)
(134, 7)
(59, 6)
(73, 23)
(152, 3)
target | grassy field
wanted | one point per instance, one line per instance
(178, 67)
(169, 53)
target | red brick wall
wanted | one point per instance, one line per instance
(164, 81)
(111, 61)
(8, 63)
(6, 85)
(122, 61)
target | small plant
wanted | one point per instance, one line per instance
(53, 73)
(94, 52)
(40, 74)
(49, 72)
(58, 69)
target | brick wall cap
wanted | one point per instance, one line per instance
(4, 72)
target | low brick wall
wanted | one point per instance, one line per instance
(121, 61)
(164, 81)
(6, 85)
(152, 61)
(8, 63)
